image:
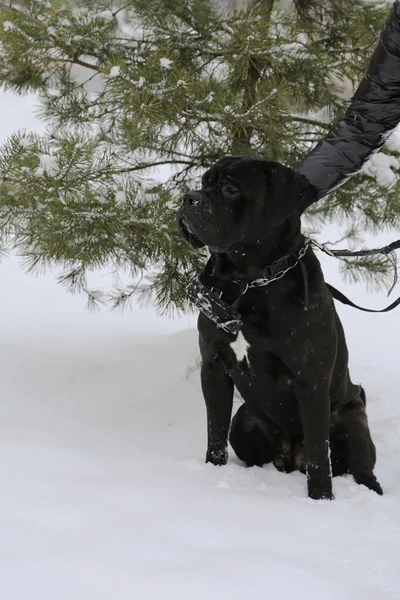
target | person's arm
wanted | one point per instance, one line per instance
(373, 113)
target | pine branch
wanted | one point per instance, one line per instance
(182, 89)
(314, 122)
(142, 166)
(81, 63)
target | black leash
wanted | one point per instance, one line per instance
(208, 297)
(342, 298)
(386, 250)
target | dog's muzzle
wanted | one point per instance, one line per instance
(188, 232)
(185, 224)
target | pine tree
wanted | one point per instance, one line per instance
(140, 97)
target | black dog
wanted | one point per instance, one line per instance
(289, 360)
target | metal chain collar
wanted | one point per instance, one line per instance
(226, 316)
(262, 281)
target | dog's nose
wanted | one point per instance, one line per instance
(192, 198)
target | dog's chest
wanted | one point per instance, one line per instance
(254, 370)
(240, 348)
(243, 351)
(246, 355)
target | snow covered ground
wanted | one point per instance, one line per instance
(105, 495)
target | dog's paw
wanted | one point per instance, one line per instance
(370, 482)
(217, 458)
(376, 487)
(314, 495)
(283, 463)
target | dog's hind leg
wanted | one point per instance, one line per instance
(249, 438)
(359, 447)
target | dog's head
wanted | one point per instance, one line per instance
(241, 199)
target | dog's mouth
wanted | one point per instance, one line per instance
(189, 234)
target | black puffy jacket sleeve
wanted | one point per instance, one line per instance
(373, 113)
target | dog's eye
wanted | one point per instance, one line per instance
(229, 189)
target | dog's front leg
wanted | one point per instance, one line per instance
(217, 389)
(315, 416)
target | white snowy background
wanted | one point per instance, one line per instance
(104, 492)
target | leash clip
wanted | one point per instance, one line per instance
(321, 247)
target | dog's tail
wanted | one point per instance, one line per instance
(363, 396)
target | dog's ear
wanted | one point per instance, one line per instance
(287, 192)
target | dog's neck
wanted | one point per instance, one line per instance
(247, 261)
